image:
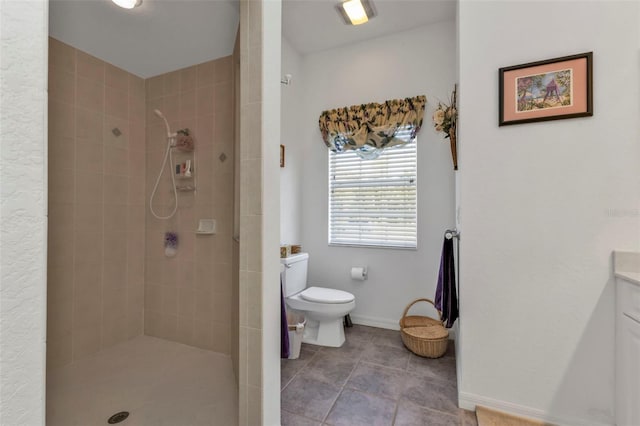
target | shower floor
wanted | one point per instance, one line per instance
(157, 381)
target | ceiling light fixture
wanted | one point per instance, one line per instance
(128, 4)
(356, 12)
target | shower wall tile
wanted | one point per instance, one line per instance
(89, 67)
(90, 94)
(62, 57)
(117, 103)
(96, 264)
(117, 78)
(188, 296)
(188, 78)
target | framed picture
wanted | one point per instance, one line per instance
(547, 90)
(281, 155)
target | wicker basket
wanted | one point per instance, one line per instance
(424, 336)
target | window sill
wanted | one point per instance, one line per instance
(372, 246)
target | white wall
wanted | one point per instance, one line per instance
(542, 207)
(292, 174)
(415, 62)
(23, 96)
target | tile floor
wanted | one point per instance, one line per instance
(157, 381)
(372, 380)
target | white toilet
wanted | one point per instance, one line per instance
(324, 308)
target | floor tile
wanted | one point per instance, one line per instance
(360, 332)
(355, 408)
(386, 356)
(412, 415)
(388, 338)
(377, 380)
(290, 419)
(444, 368)
(309, 397)
(352, 348)
(329, 368)
(432, 393)
(468, 418)
(290, 367)
(365, 381)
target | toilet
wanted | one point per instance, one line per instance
(324, 308)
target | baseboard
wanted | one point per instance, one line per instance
(469, 401)
(375, 322)
(387, 323)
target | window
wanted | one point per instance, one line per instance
(374, 202)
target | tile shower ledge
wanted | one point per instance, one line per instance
(626, 266)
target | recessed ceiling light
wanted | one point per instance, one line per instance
(128, 4)
(356, 12)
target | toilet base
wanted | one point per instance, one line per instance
(326, 333)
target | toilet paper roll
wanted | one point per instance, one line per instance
(359, 273)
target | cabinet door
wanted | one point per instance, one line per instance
(628, 372)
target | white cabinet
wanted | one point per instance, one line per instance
(627, 353)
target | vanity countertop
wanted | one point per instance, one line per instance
(626, 265)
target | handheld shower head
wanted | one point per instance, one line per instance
(166, 123)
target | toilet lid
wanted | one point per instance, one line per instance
(326, 295)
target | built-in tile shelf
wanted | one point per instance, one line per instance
(626, 265)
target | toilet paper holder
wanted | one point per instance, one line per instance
(359, 273)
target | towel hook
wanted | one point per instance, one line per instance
(451, 233)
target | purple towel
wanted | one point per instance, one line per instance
(284, 327)
(446, 297)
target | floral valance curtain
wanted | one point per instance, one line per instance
(369, 128)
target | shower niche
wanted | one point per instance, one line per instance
(184, 161)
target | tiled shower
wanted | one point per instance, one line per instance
(109, 280)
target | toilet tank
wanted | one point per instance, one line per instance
(294, 276)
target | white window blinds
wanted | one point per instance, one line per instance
(374, 202)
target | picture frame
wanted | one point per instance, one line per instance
(552, 89)
(281, 155)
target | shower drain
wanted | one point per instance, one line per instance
(118, 417)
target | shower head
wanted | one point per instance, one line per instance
(166, 123)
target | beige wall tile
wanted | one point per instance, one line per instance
(90, 94)
(187, 104)
(86, 342)
(89, 67)
(188, 78)
(61, 119)
(89, 156)
(61, 153)
(168, 327)
(171, 83)
(116, 161)
(186, 302)
(61, 56)
(62, 85)
(116, 189)
(116, 78)
(89, 188)
(59, 351)
(204, 99)
(170, 300)
(221, 340)
(88, 218)
(185, 330)
(88, 125)
(203, 334)
(223, 69)
(205, 72)
(155, 87)
(61, 186)
(172, 108)
(116, 103)
(115, 273)
(88, 249)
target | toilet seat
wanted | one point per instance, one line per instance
(326, 295)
